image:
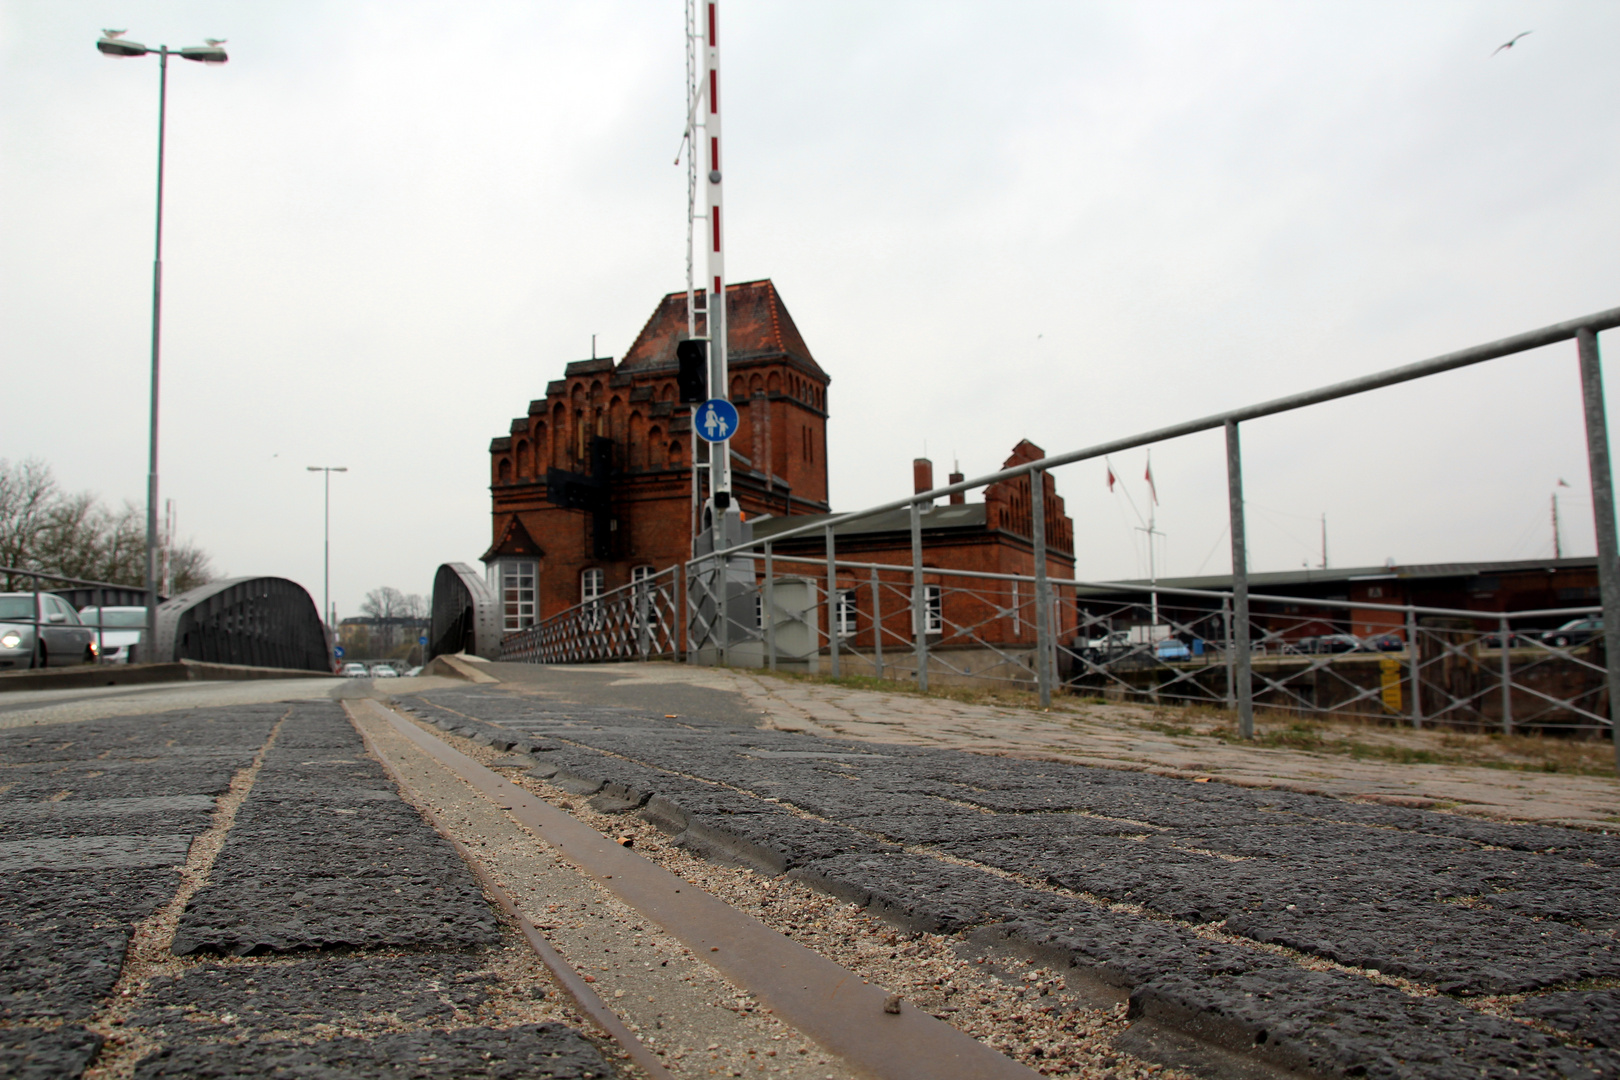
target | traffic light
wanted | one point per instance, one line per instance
(693, 377)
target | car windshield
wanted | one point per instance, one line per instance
(16, 607)
(135, 619)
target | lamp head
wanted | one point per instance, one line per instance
(205, 54)
(112, 43)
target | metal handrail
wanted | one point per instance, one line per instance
(1494, 350)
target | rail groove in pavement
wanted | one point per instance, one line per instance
(589, 1001)
(822, 999)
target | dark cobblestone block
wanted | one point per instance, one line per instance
(92, 852)
(772, 842)
(63, 936)
(1593, 1015)
(1463, 951)
(354, 993)
(529, 1051)
(922, 893)
(138, 816)
(1331, 1025)
(325, 855)
(61, 1054)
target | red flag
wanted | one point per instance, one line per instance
(1149, 477)
(1111, 478)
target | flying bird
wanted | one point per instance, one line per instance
(114, 34)
(1510, 44)
(214, 42)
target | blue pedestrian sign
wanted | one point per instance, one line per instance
(337, 651)
(715, 420)
(421, 641)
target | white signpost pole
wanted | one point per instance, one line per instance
(719, 376)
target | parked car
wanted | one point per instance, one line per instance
(1100, 649)
(383, 671)
(63, 639)
(1325, 643)
(355, 670)
(1574, 632)
(118, 631)
(1385, 643)
(1172, 649)
(1515, 640)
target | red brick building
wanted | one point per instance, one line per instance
(612, 441)
(617, 429)
(995, 536)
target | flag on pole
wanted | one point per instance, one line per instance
(1149, 478)
(1111, 477)
(1561, 482)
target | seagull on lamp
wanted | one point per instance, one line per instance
(1510, 44)
(214, 43)
(114, 34)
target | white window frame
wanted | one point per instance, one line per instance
(845, 610)
(641, 576)
(933, 609)
(517, 583)
(592, 583)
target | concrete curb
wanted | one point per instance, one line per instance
(457, 667)
(92, 675)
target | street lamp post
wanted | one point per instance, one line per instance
(326, 582)
(112, 43)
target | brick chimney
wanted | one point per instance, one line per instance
(958, 497)
(922, 476)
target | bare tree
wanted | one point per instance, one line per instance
(43, 528)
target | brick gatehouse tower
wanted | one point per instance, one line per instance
(593, 487)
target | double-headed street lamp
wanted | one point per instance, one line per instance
(113, 44)
(326, 584)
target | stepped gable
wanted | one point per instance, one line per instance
(760, 327)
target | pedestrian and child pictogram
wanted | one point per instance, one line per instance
(716, 420)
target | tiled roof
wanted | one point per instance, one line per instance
(515, 540)
(758, 326)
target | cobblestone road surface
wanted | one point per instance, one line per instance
(1304, 932)
(256, 831)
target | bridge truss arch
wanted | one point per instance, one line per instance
(466, 614)
(256, 621)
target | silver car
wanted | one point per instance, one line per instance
(63, 639)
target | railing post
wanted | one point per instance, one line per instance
(877, 624)
(770, 608)
(33, 650)
(686, 611)
(1226, 625)
(1597, 454)
(919, 599)
(1415, 662)
(1043, 590)
(1507, 677)
(832, 604)
(643, 624)
(1240, 583)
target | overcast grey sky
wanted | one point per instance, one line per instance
(390, 224)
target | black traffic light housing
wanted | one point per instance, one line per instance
(693, 377)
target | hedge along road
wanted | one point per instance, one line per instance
(1295, 931)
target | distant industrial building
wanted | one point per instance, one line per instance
(1486, 587)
